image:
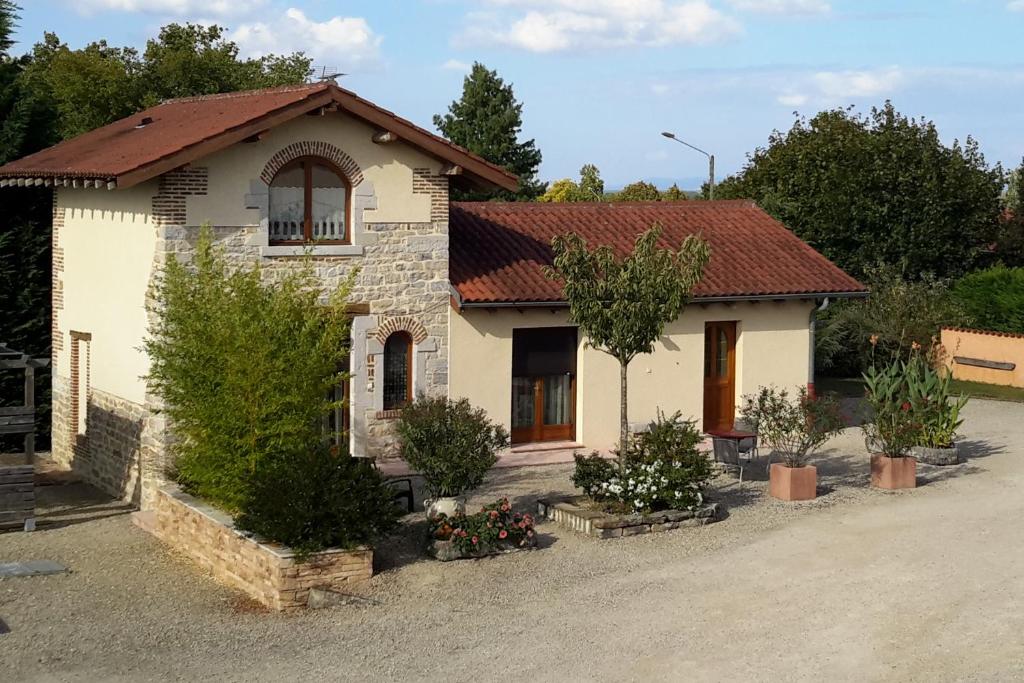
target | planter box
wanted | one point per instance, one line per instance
(793, 483)
(893, 473)
(570, 511)
(267, 572)
(447, 551)
(936, 456)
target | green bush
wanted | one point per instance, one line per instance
(933, 402)
(591, 472)
(451, 444)
(893, 427)
(795, 427)
(245, 369)
(993, 299)
(314, 500)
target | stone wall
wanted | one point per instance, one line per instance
(107, 454)
(268, 573)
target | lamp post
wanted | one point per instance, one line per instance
(711, 162)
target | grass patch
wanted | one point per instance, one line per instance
(845, 387)
(853, 387)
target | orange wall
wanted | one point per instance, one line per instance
(992, 346)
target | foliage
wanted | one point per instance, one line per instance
(877, 188)
(488, 120)
(495, 526)
(794, 427)
(894, 427)
(640, 191)
(674, 194)
(623, 304)
(590, 188)
(931, 397)
(313, 500)
(450, 443)
(661, 469)
(245, 369)
(97, 84)
(898, 314)
(993, 299)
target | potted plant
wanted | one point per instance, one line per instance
(938, 413)
(894, 428)
(794, 428)
(452, 445)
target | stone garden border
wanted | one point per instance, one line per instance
(569, 511)
(269, 573)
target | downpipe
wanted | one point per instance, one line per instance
(811, 324)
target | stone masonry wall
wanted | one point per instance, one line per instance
(268, 573)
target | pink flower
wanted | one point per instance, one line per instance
(502, 534)
(521, 525)
(475, 539)
(529, 533)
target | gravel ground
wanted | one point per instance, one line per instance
(857, 585)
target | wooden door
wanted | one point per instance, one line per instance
(719, 375)
(543, 384)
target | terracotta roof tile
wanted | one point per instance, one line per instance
(498, 250)
(177, 131)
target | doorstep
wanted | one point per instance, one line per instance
(520, 455)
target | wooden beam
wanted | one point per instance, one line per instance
(384, 136)
(982, 363)
(358, 309)
(257, 137)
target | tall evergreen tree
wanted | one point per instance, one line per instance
(487, 120)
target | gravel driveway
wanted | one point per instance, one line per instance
(858, 585)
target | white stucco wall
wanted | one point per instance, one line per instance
(772, 348)
(388, 167)
(108, 245)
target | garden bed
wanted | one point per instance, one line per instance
(573, 512)
(268, 572)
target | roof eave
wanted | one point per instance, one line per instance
(696, 300)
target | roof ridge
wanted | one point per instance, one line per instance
(295, 87)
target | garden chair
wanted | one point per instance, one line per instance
(748, 447)
(727, 452)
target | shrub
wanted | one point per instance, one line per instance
(937, 410)
(451, 444)
(993, 298)
(494, 526)
(894, 427)
(662, 469)
(314, 500)
(794, 427)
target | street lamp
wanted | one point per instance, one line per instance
(711, 162)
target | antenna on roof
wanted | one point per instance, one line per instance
(329, 75)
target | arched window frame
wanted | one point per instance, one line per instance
(307, 162)
(408, 359)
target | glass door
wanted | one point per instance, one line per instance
(543, 384)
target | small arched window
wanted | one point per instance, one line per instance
(397, 371)
(309, 200)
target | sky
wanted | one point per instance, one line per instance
(600, 79)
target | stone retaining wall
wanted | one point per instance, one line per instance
(269, 573)
(571, 513)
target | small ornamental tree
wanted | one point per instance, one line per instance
(795, 427)
(623, 304)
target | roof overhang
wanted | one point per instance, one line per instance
(704, 300)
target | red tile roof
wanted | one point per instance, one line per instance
(183, 130)
(498, 250)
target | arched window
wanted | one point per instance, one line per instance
(309, 200)
(397, 370)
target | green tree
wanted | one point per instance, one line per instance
(877, 188)
(993, 299)
(623, 304)
(591, 185)
(590, 188)
(674, 194)
(488, 120)
(640, 191)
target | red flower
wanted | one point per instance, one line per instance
(494, 514)
(502, 534)
(475, 539)
(521, 525)
(905, 407)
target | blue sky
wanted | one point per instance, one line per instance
(601, 78)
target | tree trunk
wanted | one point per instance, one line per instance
(623, 413)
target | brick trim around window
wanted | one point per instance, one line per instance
(310, 148)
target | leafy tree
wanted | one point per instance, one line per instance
(674, 194)
(993, 298)
(589, 188)
(1009, 242)
(877, 188)
(488, 120)
(623, 304)
(640, 191)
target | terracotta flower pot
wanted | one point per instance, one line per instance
(893, 473)
(793, 483)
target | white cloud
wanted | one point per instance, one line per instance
(341, 42)
(792, 99)
(1015, 5)
(171, 7)
(842, 85)
(456, 65)
(660, 89)
(783, 7)
(562, 25)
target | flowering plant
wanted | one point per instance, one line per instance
(662, 470)
(931, 395)
(795, 427)
(894, 426)
(495, 526)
